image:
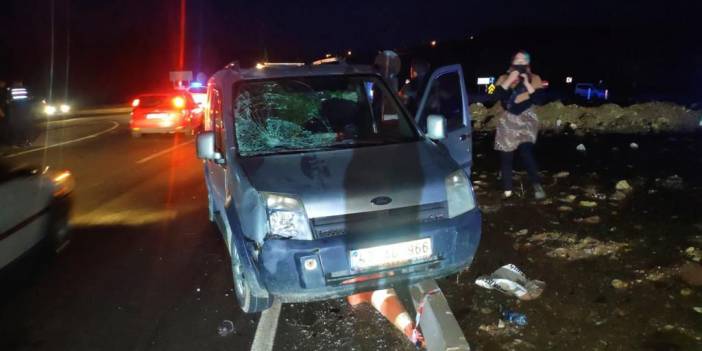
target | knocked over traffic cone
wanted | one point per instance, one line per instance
(390, 306)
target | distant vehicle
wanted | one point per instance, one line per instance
(591, 91)
(160, 113)
(55, 108)
(35, 209)
(323, 186)
(199, 93)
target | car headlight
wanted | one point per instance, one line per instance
(65, 108)
(50, 110)
(286, 217)
(459, 193)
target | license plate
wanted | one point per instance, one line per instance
(390, 255)
(156, 116)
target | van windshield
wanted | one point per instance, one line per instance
(289, 115)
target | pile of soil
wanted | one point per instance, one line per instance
(608, 118)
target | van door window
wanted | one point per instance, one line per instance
(217, 121)
(445, 98)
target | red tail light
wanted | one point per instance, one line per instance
(135, 103)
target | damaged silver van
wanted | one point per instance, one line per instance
(323, 185)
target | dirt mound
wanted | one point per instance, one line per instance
(608, 118)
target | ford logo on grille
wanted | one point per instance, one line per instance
(381, 200)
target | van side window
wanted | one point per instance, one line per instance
(216, 118)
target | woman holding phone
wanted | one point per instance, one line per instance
(518, 127)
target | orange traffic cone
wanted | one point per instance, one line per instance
(390, 306)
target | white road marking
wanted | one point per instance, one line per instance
(63, 246)
(161, 153)
(264, 339)
(115, 125)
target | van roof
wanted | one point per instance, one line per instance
(271, 72)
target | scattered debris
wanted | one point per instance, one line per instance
(499, 329)
(588, 204)
(697, 309)
(568, 246)
(515, 318)
(617, 196)
(623, 185)
(674, 182)
(685, 291)
(588, 220)
(619, 284)
(581, 148)
(522, 232)
(691, 273)
(634, 146)
(225, 328)
(510, 280)
(694, 253)
(489, 208)
(565, 209)
(561, 174)
(569, 199)
(608, 118)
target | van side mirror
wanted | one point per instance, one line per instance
(206, 147)
(436, 127)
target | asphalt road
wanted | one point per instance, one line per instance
(145, 269)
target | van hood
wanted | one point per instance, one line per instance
(345, 181)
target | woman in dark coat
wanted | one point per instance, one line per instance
(518, 127)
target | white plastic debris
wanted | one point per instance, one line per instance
(634, 146)
(510, 280)
(558, 123)
(225, 328)
(581, 148)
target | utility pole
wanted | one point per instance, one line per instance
(181, 41)
(68, 49)
(51, 62)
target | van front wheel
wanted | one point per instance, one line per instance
(248, 301)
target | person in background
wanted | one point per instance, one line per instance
(518, 127)
(411, 93)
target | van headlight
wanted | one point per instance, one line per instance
(459, 193)
(286, 217)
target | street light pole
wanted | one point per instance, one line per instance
(68, 49)
(51, 62)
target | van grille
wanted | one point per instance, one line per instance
(365, 222)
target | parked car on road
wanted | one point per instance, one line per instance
(324, 186)
(161, 113)
(35, 207)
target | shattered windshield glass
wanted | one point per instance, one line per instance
(312, 113)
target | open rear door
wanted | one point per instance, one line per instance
(446, 95)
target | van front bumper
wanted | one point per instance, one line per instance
(282, 262)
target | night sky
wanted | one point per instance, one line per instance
(119, 48)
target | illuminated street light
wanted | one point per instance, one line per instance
(348, 53)
(433, 43)
(569, 80)
(328, 55)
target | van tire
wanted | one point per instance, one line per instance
(249, 301)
